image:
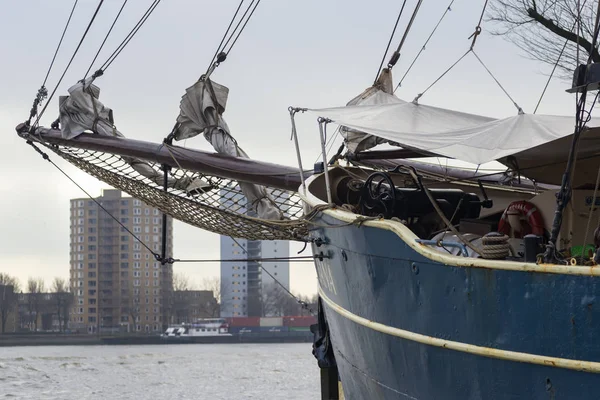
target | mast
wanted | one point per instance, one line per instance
(586, 77)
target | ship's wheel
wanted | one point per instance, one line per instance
(378, 195)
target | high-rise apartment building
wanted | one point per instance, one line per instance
(117, 283)
(243, 283)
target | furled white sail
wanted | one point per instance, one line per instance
(380, 93)
(201, 110)
(82, 111)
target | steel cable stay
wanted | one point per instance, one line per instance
(222, 51)
(416, 99)
(39, 116)
(219, 47)
(105, 38)
(60, 42)
(301, 302)
(390, 40)
(555, 65)
(42, 92)
(474, 36)
(396, 54)
(129, 36)
(259, 259)
(243, 26)
(330, 142)
(519, 109)
(471, 49)
(47, 158)
(425, 44)
(550, 77)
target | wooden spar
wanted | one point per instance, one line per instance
(240, 169)
(391, 154)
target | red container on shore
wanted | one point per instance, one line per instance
(244, 321)
(299, 321)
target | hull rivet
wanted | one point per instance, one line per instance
(415, 268)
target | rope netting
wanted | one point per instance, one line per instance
(220, 208)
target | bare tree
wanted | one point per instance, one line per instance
(213, 307)
(542, 28)
(277, 302)
(134, 308)
(310, 303)
(35, 287)
(181, 281)
(62, 301)
(9, 290)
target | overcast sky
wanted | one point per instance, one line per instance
(312, 53)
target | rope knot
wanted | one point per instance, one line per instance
(474, 35)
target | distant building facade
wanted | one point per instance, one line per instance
(243, 282)
(190, 305)
(44, 311)
(8, 309)
(117, 283)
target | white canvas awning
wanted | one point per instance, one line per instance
(533, 140)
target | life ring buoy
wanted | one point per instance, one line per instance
(527, 210)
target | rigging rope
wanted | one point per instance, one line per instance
(424, 45)
(69, 64)
(330, 143)
(243, 26)
(555, 65)
(416, 99)
(129, 36)
(47, 158)
(478, 27)
(302, 303)
(225, 34)
(267, 259)
(105, 38)
(396, 54)
(497, 82)
(60, 42)
(390, 41)
(474, 35)
(222, 51)
(551, 75)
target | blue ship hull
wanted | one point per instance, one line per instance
(404, 326)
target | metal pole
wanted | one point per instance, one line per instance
(293, 112)
(166, 169)
(322, 129)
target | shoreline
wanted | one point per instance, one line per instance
(15, 340)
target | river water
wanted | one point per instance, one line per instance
(166, 372)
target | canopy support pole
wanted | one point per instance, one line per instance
(293, 112)
(322, 131)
